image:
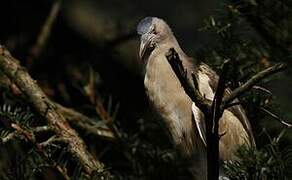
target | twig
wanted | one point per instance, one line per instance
(262, 89)
(29, 136)
(8, 137)
(48, 142)
(44, 34)
(107, 119)
(23, 132)
(42, 104)
(41, 129)
(252, 81)
(85, 123)
(287, 125)
(99, 108)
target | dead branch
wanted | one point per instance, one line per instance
(85, 123)
(41, 129)
(44, 34)
(287, 125)
(49, 142)
(189, 86)
(212, 125)
(45, 107)
(252, 81)
(262, 89)
(211, 110)
(106, 118)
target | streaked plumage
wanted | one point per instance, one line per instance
(182, 118)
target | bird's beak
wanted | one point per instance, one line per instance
(145, 43)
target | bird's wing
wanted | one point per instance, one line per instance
(208, 80)
(199, 123)
(198, 115)
(237, 110)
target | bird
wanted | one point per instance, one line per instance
(183, 120)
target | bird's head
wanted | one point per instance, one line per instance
(153, 31)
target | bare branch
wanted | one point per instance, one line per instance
(44, 34)
(186, 83)
(287, 125)
(50, 141)
(85, 123)
(252, 81)
(211, 110)
(41, 129)
(262, 89)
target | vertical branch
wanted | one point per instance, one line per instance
(211, 110)
(212, 125)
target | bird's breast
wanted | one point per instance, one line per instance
(170, 101)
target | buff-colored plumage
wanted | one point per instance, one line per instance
(182, 119)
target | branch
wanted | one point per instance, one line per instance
(85, 123)
(190, 88)
(262, 89)
(251, 82)
(29, 136)
(287, 125)
(107, 119)
(44, 34)
(50, 141)
(211, 110)
(76, 119)
(8, 137)
(41, 129)
(216, 109)
(212, 125)
(45, 107)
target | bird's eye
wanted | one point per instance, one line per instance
(153, 30)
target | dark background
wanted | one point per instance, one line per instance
(100, 36)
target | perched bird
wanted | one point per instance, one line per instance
(183, 120)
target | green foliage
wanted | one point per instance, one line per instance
(19, 115)
(269, 162)
(21, 158)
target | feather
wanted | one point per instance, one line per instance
(199, 122)
(237, 110)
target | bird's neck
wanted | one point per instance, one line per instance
(166, 94)
(171, 42)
